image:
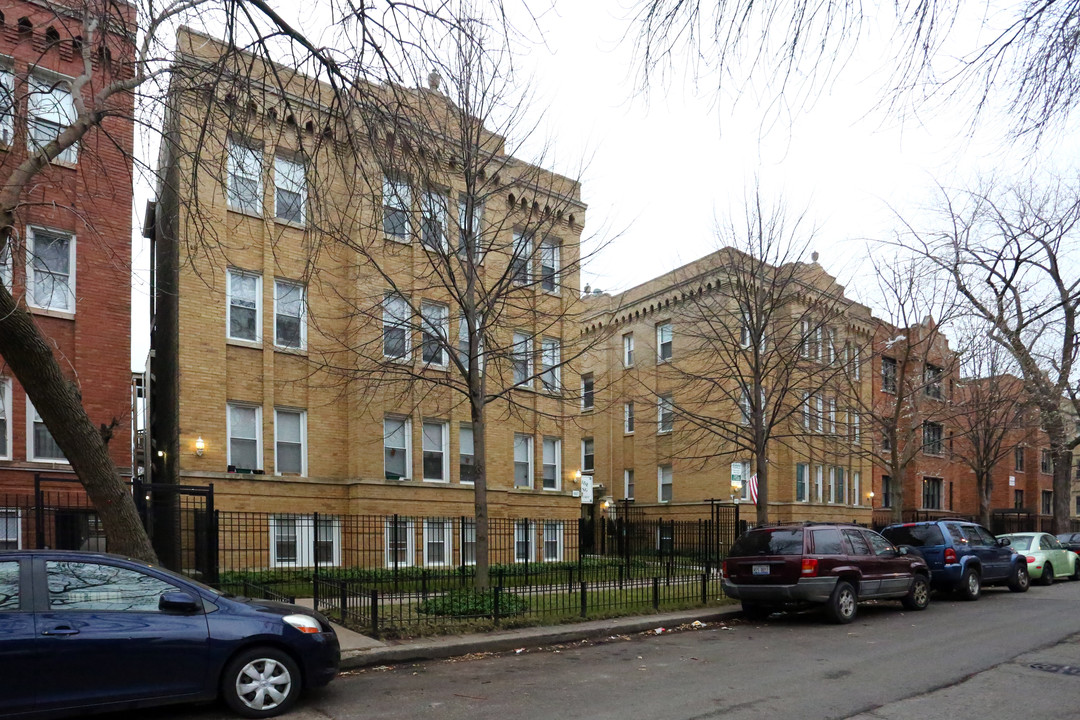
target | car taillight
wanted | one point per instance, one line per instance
(727, 568)
(950, 555)
(809, 567)
(1031, 559)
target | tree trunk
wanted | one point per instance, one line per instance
(59, 403)
(762, 469)
(985, 488)
(480, 505)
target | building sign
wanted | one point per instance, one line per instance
(1012, 481)
(586, 490)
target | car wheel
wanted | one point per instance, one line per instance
(919, 595)
(970, 585)
(753, 611)
(261, 683)
(1076, 571)
(843, 603)
(1048, 575)
(1020, 580)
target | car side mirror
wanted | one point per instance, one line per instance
(1004, 542)
(902, 551)
(178, 602)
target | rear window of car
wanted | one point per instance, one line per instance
(1020, 543)
(768, 542)
(914, 535)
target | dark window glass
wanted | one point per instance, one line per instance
(827, 542)
(881, 545)
(914, 535)
(769, 542)
(857, 541)
(1020, 544)
(9, 586)
(97, 587)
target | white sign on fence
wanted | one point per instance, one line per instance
(586, 490)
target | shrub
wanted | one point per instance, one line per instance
(473, 603)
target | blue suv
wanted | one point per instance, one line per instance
(963, 556)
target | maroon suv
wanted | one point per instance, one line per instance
(787, 567)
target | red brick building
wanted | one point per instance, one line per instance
(69, 261)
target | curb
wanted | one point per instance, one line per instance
(454, 646)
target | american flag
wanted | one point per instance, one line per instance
(753, 488)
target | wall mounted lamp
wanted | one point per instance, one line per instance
(200, 446)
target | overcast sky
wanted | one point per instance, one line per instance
(657, 171)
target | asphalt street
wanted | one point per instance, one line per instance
(1005, 656)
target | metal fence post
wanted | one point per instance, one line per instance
(374, 613)
(495, 603)
(705, 587)
(344, 601)
(656, 593)
(584, 599)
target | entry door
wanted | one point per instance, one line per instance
(18, 659)
(103, 638)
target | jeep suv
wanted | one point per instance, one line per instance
(963, 556)
(834, 566)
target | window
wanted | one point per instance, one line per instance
(888, 374)
(437, 546)
(819, 425)
(50, 270)
(663, 483)
(433, 222)
(468, 542)
(290, 330)
(552, 469)
(245, 437)
(932, 436)
(51, 110)
(400, 535)
(804, 334)
(6, 266)
(290, 442)
(397, 432)
(856, 429)
(663, 342)
(628, 484)
(433, 333)
(1018, 459)
(819, 483)
(802, 471)
(549, 266)
(553, 541)
(745, 410)
(1047, 502)
(665, 414)
(5, 418)
(245, 179)
(832, 415)
(931, 493)
(244, 299)
(886, 491)
(840, 486)
(856, 488)
(7, 105)
(397, 200)
(290, 190)
(521, 358)
(628, 350)
(524, 541)
(396, 342)
(10, 539)
(549, 365)
(886, 442)
(587, 391)
(42, 445)
(523, 459)
(807, 411)
(831, 347)
(587, 455)
(932, 378)
(463, 343)
(856, 363)
(628, 417)
(469, 232)
(1018, 499)
(297, 540)
(98, 587)
(1046, 462)
(435, 441)
(519, 259)
(466, 455)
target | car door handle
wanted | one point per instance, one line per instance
(61, 630)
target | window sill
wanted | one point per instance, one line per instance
(438, 481)
(407, 360)
(245, 213)
(526, 388)
(46, 312)
(664, 432)
(253, 344)
(49, 461)
(628, 433)
(301, 351)
(589, 409)
(397, 240)
(290, 223)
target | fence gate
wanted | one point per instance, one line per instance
(182, 526)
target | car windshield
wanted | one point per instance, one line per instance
(768, 542)
(914, 535)
(1020, 543)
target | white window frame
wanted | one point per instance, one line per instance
(31, 296)
(550, 251)
(407, 434)
(588, 395)
(258, 433)
(528, 529)
(628, 484)
(628, 350)
(238, 156)
(840, 485)
(5, 514)
(585, 470)
(278, 412)
(628, 417)
(289, 176)
(444, 535)
(33, 417)
(856, 488)
(462, 427)
(307, 538)
(805, 468)
(522, 350)
(395, 320)
(832, 416)
(528, 445)
(664, 403)
(550, 365)
(820, 424)
(807, 398)
(279, 287)
(434, 209)
(410, 541)
(744, 408)
(520, 259)
(856, 427)
(8, 416)
(397, 196)
(444, 449)
(435, 324)
(474, 231)
(463, 343)
(229, 275)
(544, 464)
(7, 109)
(832, 485)
(661, 484)
(804, 334)
(59, 117)
(662, 329)
(6, 266)
(467, 537)
(557, 531)
(819, 483)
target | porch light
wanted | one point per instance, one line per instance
(200, 446)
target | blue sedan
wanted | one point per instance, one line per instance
(87, 632)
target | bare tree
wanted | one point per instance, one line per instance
(1025, 50)
(1011, 254)
(764, 361)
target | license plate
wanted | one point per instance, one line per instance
(761, 570)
